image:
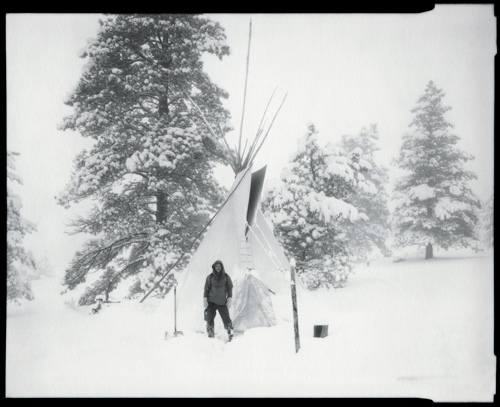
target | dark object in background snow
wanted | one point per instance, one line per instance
(98, 307)
(320, 331)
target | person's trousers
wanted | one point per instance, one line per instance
(211, 311)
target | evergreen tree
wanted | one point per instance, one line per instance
(487, 222)
(19, 261)
(309, 210)
(149, 107)
(365, 236)
(433, 201)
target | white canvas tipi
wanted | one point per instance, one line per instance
(243, 240)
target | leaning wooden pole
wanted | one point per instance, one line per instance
(175, 309)
(294, 306)
(245, 89)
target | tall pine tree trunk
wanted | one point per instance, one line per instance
(162, 197)
(161, 206)
(428, 251)
(108, 289)
(163, 101)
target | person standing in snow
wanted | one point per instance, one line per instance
(217, 296)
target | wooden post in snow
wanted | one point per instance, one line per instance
(175, 308)
(294, 306)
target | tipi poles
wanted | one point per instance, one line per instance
(245, 90)
(269, 245)
(268, 130)
(263, 247)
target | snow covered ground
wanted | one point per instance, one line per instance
(413, 328)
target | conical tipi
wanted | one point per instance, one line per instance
(239, 236)
(242, 239)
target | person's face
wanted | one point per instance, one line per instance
(218, 268)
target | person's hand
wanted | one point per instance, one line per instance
(205, 302)
(229, 302)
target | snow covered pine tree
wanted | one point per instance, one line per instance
(310, 213)
(433, 201)
(19, 261)
(487, 223)
(373, 233)
(150, 169)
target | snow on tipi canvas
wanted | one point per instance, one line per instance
(243, 240)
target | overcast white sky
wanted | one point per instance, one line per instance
(341, 72)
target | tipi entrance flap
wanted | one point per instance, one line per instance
(252, 305)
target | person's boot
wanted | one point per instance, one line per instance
(229, 330)
(210, 331)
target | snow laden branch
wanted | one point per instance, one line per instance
(151, 165)
(20, 262)
(313, 209)
(367, 237)
(330, 208)
(109, 281)
(97, 256)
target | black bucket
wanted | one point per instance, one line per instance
(320, 331)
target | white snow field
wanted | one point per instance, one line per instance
(411, 329)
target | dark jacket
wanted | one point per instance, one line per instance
(218, 286)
